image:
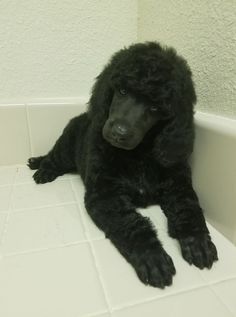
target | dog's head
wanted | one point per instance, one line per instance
(141, 86)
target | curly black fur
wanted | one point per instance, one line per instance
(137, 171)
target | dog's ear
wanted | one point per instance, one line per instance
(175, 143)
(101, 97)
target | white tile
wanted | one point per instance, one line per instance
(60, 282)
(14, 136)
(7, 175)
(123, 285)
(73, 175)
(34, 195)
(91, 229)
(156, 215)
(200, 302)
(43, 228)
(5, 196)
(24, 175)
(225, 267)
(44, 139)
(68, 176)
(222, 269)
(2, 222)
(158, 219)
(226, 292)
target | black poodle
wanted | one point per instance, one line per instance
(131, 149)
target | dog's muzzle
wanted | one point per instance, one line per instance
(120, 134)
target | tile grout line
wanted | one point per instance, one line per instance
(97, 314)
(59, 179)
(219, 298)
(39, 250)
(6, 185)
(29, 130)
(171, 294)
(6, 223)
(219, 280)
(35, 208)
(92, 252)
(100, 278)
(13, 165)
(159, 298)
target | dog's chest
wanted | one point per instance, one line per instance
(142, 179)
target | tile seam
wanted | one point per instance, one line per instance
(59, 179)
(51, 248)
(29, 129)
(35, 208)
(210, 286)
(105, 293)
(118, 308)
(6, 222)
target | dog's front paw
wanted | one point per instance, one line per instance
(154, 267)
(44, 176)
(199, 250)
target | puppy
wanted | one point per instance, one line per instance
(131, 149)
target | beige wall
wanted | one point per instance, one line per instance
(205, 33)
(54, 49)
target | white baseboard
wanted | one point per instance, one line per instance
(44, 101)
(214, 170)
(30, 127)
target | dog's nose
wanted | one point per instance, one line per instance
(119, 130)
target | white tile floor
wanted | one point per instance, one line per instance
(55, 263)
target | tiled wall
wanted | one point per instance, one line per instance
(30, 129)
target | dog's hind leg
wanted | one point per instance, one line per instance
(59, 160)
(34, 162)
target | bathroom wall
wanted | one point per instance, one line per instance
(205, 33)
(54, 49)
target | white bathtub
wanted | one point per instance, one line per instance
(214, 170)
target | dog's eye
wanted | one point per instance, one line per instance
(122, 91)
(153, 108)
